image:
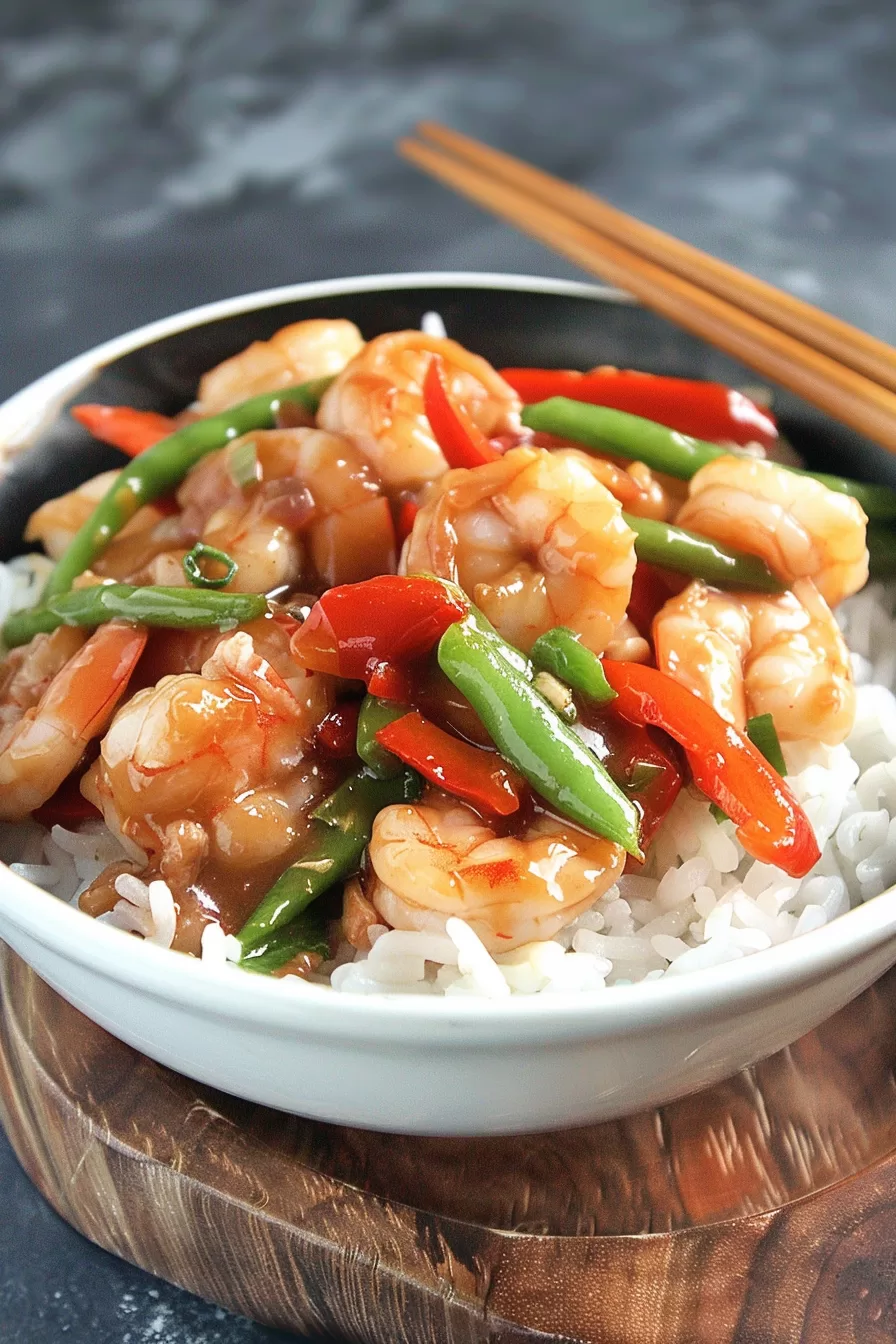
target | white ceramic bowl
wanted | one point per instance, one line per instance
(418, 1065)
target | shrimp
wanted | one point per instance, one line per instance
(211, 748)
(438, 858)
(536, 540)
(42, 743)
(758, 654)
(55, 523)
(312, 510)
(796, 524)
(377, 401)
(294, 354)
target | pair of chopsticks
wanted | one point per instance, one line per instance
(833, 365)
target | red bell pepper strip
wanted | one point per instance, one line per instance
(405, 524)
(708, 411)
(651, 590)
(479, 777)
(462, 443)
(357, 627)
(642, 761)
(124, 427)
(726, 766)
(68, 807)
(338, 732)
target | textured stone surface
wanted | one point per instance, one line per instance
(159, 153)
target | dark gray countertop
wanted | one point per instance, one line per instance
(159, 153)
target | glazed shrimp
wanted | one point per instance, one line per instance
(313, 510)
(536, 540)
(216, 749)
(377, 401)
(750, 655)
(796, 524)
(294, 354)
(438, 858)
(42, 743)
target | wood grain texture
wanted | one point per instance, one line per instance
(766, 1207)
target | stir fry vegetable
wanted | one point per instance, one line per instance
(194, 572)
(479, 777)
(725, 764)
(375, 715)
(762, 733)
(462, 443)
(685, 552)
(124, 427)
(353, 629)
(603, 429)
(168, 608)
(337, 838)
(156, 472)
(306, 935)
(561, 652)
(533, 737)
(705, 410)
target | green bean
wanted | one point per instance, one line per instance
(762, 733)
(605, 430)
(376, 714)
(561, 652)
(161, 468)
(339, 833)
(685, 552)
(307, 933)
(170, 608)
(881, 551)
(531, 735)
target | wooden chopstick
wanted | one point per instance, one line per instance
(842, 341)
(848, 396)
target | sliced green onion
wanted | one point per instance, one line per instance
(762, 733)
(242, 463)
(202, 552)
(642, 775)
(561, 652)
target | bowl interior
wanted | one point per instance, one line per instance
(553, 324)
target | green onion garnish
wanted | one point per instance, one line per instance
(761, 732)
(200, 551)
(242, 463)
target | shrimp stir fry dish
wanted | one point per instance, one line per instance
(377, 667)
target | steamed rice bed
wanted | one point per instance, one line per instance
(699, 901)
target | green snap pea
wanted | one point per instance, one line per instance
(338, 835)
(605, 430)
(169, 608)
(561, 652)
(687, 553)
(533, 737)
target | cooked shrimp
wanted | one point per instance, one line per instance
(796, 524)
(200, 748)
(41, 743)
(438, 858)
(55, 523)
(639, 490)
(377, 401)
(702, 639)
(757, 654)
(536, 540)
(798, 668)
(311, 510)
(294, 354)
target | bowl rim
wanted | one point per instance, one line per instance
(419, 1019)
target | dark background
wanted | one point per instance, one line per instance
(155, 154)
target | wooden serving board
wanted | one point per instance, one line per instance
(762, 1211)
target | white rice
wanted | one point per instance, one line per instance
(700, 901)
